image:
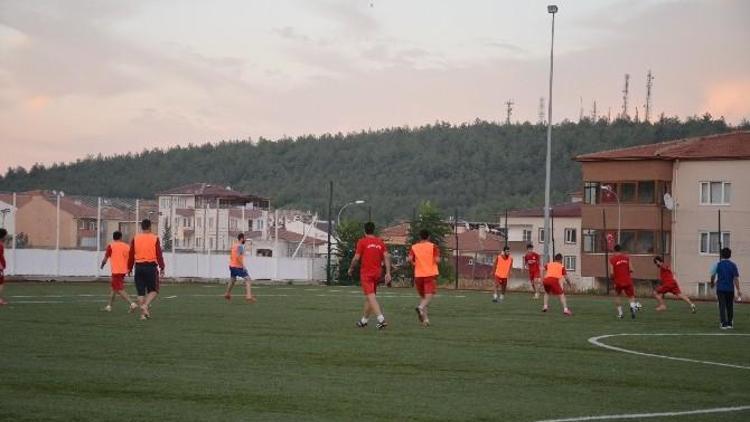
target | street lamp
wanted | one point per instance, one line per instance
(357, 202)
(552, 9)
(619, 209)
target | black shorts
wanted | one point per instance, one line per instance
(146, 278)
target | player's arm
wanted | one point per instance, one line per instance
(630, 267)
(353, 264)
(131, 256)
(387, 259)
(567, 281)
(159, 257)
(713, 275)
(107, 254)
(737, 283)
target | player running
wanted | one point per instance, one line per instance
(621, 269)
(237, 270)
(554, 272)
(3, 233)
(668, 285)
(117, 253)
(372, 252)
(503, 264)
(425, 256)
(146, 256)
(531, 262)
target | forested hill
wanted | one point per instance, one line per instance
(481, 167)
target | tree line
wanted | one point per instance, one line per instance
(481, 168)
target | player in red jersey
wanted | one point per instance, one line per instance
(554, 273)
(668, 285)
(621, 269)
(531, 261)
(372, 253)
(117, 254)
(3, 233)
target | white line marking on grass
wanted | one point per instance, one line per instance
(596, 342)
(170, 297)
(650, 415)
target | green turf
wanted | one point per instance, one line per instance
(296, 355)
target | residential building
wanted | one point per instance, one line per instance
(526, 226)
(206, 217)
(665, 199)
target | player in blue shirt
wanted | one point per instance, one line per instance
(726, 276)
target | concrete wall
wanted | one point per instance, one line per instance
(78, 263)
(691, 266)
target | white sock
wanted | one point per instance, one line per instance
(381, 318)
(632, 305)
(619, 310)
(363, 320)
(494, 295)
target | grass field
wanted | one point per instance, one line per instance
(296, 355)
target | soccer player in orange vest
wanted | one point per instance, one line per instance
(621, 269)
(503, 265)
(117, 254)
(425, 257)
(237, 269)
(3, 233)
(554, 272)
(668, 285)
(531, 262)
(373, 253)
(146, 256)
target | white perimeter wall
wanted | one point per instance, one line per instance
(75, 263)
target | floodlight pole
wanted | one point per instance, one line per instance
(552, 10)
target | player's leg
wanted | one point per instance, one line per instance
(375, 308)
(365, 315)
(618, 302)
(126, 297)
(419, 285)
(2, 286)
(152, 290)
(503, 286)
(230, 286)
(564, 303)
(535, 285)
(660, 299)
(546, 297)
(633, 303)
(110, 300)
(424, 306)
(687, 300)
(730, 309)
(495, 290)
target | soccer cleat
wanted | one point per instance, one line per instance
(724, 327)
(361, 324)
(382, 324)
(143, 317)
(536, 295)
(426, 323)
(619, 316)
(567, 312)
(544, 309)
(107, 308)
(228, 297)
(494, 299)
(692, 308)
(420, 314)
(145, 313)
(133, 307)
(632, 312)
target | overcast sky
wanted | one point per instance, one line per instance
(88, 77)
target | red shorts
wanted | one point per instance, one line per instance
(552, 286)
(627, 289)
(533, 275)
(426, 285)
(118, 282)
(668, 288)
(369, 283)
(500, 281)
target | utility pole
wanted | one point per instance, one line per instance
(508, 111)
(625, 93)
(330, 222)
(649, 84)
(580, 110)
(593, 112)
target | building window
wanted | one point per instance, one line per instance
(590, 192)
(541, 235)
(709, 242)
(608, 193)
(268, 253)
(199, 242)
(627, 192)
(715, 193)
(570, 262)
(646, 192)
(666, 243)
(92, 225)
(233, 224)
(593, 241)
(211, 243)
(704, 289)
(527, 236)
(570, 236)
(645, 242)
(210, 222)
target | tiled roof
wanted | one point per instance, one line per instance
(726, 146)
(568, 209)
